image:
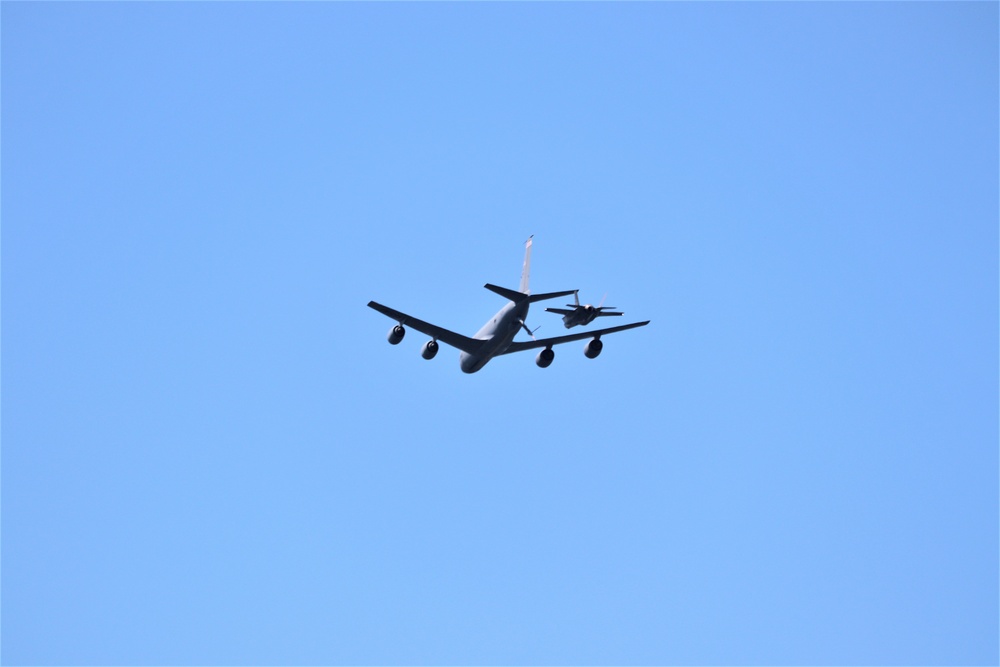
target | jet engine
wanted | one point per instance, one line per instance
(545, 357)
(396, 334)
(430, 349)
(593, 348)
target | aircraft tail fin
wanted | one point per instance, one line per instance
(526, 270)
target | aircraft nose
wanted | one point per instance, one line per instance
(466, 363)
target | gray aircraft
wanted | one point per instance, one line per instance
(582, 315)
(496, 337)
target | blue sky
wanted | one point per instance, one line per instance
(210, 454)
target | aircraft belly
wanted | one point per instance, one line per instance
(470, 363)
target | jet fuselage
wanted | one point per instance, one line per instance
(499, 331)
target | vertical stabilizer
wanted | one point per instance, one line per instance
(526, 271)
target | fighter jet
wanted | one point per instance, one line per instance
(582, 315)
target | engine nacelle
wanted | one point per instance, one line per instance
(396, 334)
(593, 348)
(545, 357)
(430, 349)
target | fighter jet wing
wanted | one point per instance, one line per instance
(463, 343)
(567, 311)
(557, 340)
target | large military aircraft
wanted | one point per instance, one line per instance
(496, 337)
(581, 315)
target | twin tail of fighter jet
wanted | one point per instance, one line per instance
(496, 337)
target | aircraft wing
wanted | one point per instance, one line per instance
(567, 311)
(557, 340)
(463, 343)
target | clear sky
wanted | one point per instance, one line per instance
(210, 454)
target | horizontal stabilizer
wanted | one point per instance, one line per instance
(550, 295)
(518, 297)
(512, 295)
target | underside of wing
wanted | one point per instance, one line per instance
(561, 311)
(463, 343)
(558, 340)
